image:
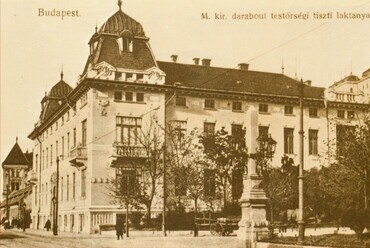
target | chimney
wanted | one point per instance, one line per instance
(206, 62)
(243, 66)
(196, 61)
(174, 58)
(308, 82)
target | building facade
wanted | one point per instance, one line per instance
(17, 190)
(90, 132)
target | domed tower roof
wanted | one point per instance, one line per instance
(61, 89)
(51, 101)
(120, 22)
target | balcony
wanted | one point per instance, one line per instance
(127, 151)
(32, 177)
(77, 156)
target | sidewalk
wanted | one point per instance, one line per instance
(106, 234)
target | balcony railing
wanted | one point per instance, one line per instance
(129, 151)
(78, 152)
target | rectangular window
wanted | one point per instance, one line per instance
(312, 112)
(74, 137)
(179, 128)
(209, 104)
(46, 193)
(139, 76)
(350, 114)
(83, 183)
(51, 155)
(237, 106)
(73, 185)
(263, 131)
(47, 158)
(56, 126)
(68, 115)
(62, 121)
(313, 142)
(127, 44)
(56, 149)
(129, 77)
(236, 184)
(62, 155)
(263, 108)
(51, 130)
(128, 130)
(118, 75)
(209, 128)
(61, 188)
(180, 101)
(288, 140)
(140, 97)
(127, 178)
(118, 95)
(209, 189)
(129, 96)
(84, 133)
(236, 130)
(67, 197)
(340, 114)
(288, 110)
(68, 144)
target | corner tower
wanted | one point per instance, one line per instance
(120, 50)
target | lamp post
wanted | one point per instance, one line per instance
(7, 174)
(253, 200)
(56, 202)
(24, 216)
(301, 223)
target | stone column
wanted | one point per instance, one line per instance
(253, 223)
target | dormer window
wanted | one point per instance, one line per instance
(93, 47)
(126, 44)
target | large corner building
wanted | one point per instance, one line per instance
(91, 128)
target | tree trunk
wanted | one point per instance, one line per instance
(148, 214)
(127, 234)
(366, 189)
(225, 197)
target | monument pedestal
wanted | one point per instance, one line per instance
(253, 224)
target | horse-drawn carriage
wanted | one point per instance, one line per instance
(218, 226)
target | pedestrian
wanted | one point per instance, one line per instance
(195, 229)
(119, 228)
(47, 225)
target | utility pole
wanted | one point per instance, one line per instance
(301, 224)
(7, 194)
(55, 222)
(164, 175)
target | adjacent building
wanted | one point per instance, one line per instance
(17, 189)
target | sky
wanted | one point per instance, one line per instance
(34, 48)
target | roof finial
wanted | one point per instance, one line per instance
(282, 67)
(61, 74)
(120, 4)
(16, 139)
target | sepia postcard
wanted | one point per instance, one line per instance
(154, 118)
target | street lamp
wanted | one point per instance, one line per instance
(24, 216)
(301, 224)
(7, 175)
(267, 145)
(55, 202)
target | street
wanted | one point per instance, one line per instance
(14, 238)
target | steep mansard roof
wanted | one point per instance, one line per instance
(236, 80)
